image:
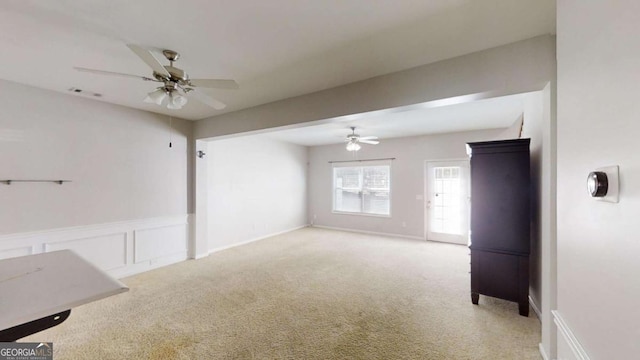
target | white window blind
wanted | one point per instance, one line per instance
(362, 189)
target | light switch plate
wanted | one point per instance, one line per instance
(614, 184)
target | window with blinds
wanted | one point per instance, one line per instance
(362, 189)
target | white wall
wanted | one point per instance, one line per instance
(532, 128)
(407, 179)
(598, 125)
(125, 178)
(257, 187)
(118, 159)
(200, 239)
(539, 126)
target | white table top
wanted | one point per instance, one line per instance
(35, 286)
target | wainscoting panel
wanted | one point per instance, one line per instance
(120, 249)
(108, 252)
(569, 347)
(159, 242)
(15, 252)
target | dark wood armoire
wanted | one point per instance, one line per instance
(500, 220)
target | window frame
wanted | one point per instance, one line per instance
(362, 188)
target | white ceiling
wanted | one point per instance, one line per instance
(274, 49)
(491, 113)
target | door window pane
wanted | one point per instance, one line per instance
(447, 206)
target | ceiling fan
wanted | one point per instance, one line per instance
(176, 85)
(354, 139)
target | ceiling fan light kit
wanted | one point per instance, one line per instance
(176, 82)
(156, 97)
(176, 101)
(354, 139)
(351, 146)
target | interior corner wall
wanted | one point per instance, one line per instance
(407, 180)
(127, 203)
(257, 188)
(539, 126)
(532, 128)
(597, 245)
(515, 130)
(548, 248)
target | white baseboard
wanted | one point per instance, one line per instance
(200, 256)
(369, 232)
(535, 308)
(567, 335)
(262, 237)
(120, 248)
(446, 242)
(543, 353)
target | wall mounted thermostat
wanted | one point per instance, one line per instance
(598, 183)
(603, 184)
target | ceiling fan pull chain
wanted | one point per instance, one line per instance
(170, 129)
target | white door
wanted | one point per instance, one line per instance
(447, 201)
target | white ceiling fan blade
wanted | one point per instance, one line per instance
(206, 99)
(215, 83)
(369, 138)
(372, 142)
(149, 59)
(102, 72)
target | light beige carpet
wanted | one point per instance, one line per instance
(308, 294)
